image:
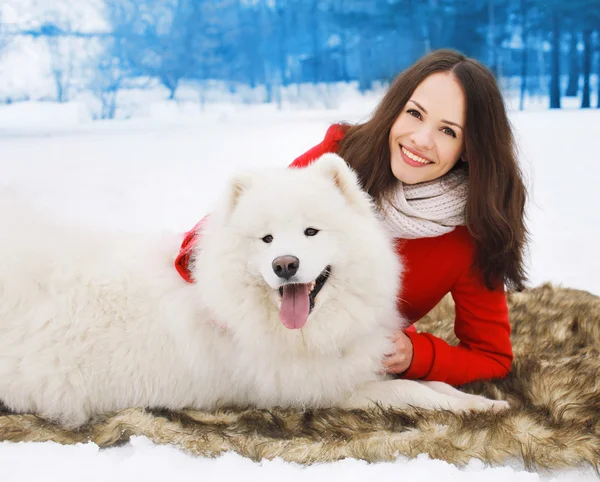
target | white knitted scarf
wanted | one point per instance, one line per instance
(426, 209)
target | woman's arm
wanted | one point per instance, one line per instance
(330, 143)
(483, 329)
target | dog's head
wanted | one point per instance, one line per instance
(298, 246)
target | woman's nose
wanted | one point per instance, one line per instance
(423, 138)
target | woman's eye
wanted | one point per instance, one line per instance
(450, 132)
(311, 232)
(414, 113)
(267, 239)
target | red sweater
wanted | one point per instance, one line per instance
(434, 267)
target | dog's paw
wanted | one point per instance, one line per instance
(500, 405)
(482, 404)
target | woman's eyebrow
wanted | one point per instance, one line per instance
(443, 120)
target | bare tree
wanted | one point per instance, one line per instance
(587, 67)
(62, 58)
(598, 67)
(173, 48)
(161, 39)
(573, 85)
(111, 73)
(4, 37)
(120, 55)
(524, 57)
(555, 63)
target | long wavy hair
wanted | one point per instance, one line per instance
(495, 210)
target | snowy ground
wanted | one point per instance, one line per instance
(163, 171)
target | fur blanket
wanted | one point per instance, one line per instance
(553, 422)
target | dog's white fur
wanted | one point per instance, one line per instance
(94, 322)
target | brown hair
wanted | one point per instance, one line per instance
(496, 200)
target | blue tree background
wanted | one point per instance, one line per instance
(536, 48)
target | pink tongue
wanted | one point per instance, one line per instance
(294, 306)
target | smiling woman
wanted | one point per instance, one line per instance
(438, 158)
(422, 137)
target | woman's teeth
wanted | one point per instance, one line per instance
(414, 157)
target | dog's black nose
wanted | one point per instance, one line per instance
(285, 266)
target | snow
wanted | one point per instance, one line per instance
(164, 168)
(142, 460)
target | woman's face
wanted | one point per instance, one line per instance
(427, 138)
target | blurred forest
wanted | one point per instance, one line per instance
(549, 48)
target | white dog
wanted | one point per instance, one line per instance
(292, 304)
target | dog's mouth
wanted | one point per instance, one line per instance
(298, 300)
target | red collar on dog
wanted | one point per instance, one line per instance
(182, 261)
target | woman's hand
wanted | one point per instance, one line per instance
(399, 361)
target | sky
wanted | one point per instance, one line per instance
(164, 168)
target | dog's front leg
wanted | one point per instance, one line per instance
(402, 394)
(444, 388)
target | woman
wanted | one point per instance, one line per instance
(438, 158)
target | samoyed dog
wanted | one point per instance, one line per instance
(290, 301)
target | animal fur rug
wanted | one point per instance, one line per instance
(553, 422)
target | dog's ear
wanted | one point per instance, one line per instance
(238, 184)
(344, 179)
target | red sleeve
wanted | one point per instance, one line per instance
(483, 330)
(330, 143)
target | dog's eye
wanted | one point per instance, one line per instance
(267, 239)
(311, 231)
